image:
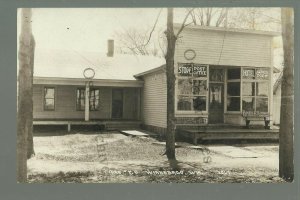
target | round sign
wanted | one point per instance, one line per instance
(89, 73)
(190, 54)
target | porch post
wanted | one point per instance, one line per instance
(87, 102)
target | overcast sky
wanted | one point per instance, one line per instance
(85, 29)
(89, 28)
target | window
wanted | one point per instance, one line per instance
(49, 98)
(93, 99)
(255, 89)
(192, 87)
(233, 89)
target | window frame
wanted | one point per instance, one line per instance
(78, 108)
(256, 81)
(54, 98)
(226, 87)
(192, 78)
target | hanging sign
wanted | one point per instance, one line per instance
(192, 69)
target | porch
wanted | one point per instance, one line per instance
(107, 124)
(228, 132)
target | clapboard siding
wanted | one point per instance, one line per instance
(225, 48)
(155, 100)
(65, 103)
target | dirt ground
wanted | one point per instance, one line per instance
(111, 157)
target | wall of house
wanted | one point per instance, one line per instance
(225, 48)
(65, 103)
(154, 101)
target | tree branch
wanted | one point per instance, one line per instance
(153, 27)
(183, 25)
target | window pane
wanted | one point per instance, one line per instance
(81, 93)
(233, 89)
(234, 73)
(49, 104)
(262, 89)
(216, 75)
(184, 103)
(233, 104)
(262, 104)
(94, 99)
(199, 87)
(49, 93)
(248, 73)
(82, 104)
(199, 103)
(185, 86)
(248, 103)
(248, 89)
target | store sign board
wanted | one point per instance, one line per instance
(248, 73)
(262, 74)
(192, 69)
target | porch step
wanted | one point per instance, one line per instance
(228, 134)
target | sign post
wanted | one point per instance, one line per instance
(89, 74)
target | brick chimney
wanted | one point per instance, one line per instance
(110, 48)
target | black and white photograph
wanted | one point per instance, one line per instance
(155, 95)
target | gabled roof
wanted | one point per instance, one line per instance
(71, 64)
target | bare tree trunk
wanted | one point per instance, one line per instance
(171, 38)
(30, 149)
(286, 165)
(24, 118)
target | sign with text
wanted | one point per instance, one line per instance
(262, 74)
(248, 73)
(192, 70)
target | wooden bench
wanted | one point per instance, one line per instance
(256, 116)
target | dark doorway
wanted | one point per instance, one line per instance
(216, 95)
(216, 103)
(117, 104)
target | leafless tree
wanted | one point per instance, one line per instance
(171, 41)
(25, 103)
(140, 41)
(209, 16)
(286, 165)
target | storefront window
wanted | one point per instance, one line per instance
(192, 87)
(248, 104)
(216, 75)
(255, 89)
(262, 89)
(233, 89)
(262, 104)
(248, 89)
(234, 73)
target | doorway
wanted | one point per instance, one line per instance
(216, 96)
(117, 104)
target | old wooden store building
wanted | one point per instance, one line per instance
(223, 78)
